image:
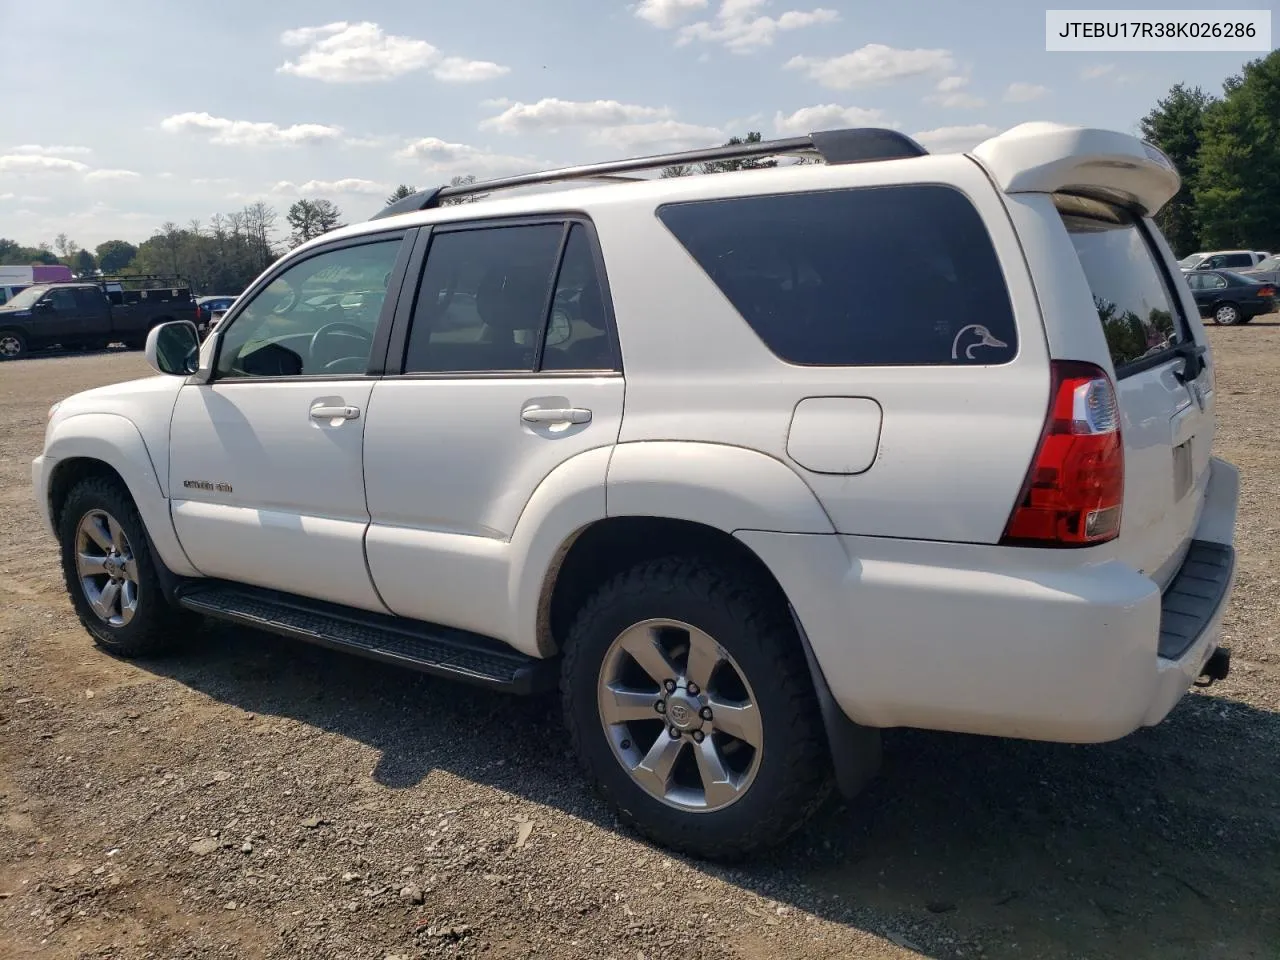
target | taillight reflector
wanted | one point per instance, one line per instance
(1267, 292)
(1074, 491)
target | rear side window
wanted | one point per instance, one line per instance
(881, 276)
(1130, 293)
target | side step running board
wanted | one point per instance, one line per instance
(442, 651)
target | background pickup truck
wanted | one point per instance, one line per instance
(89, 314)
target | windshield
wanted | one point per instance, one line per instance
(1192, 260)
(27, 297)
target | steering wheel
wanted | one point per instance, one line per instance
(342, 327)
(287, 303)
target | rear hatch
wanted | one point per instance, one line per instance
(1164, 381)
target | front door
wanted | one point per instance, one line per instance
(266, 479)
(510, 371)
(58, 317)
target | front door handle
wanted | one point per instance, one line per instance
(555, 415)
(323, 412)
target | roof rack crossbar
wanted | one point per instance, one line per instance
(833, 146)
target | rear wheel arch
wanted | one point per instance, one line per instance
(599, 552)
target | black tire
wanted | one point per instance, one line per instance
(794, 773)
(156, 626)
(1227, 314)
(13, 345)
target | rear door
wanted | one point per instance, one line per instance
(505, 369)
(1168, 418)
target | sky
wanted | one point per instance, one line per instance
(115, 122)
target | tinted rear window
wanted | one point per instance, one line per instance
(876, 276)
(1134, 304)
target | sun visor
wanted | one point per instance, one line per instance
(1052, 158)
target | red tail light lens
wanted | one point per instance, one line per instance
(1267, 292)
(1074, 490)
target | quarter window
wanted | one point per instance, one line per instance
(866, 277)
(317, 318)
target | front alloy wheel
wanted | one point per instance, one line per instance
(111, 573)
(107, 568)
(680, 715)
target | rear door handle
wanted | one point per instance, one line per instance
(322, 412)
(555, 415)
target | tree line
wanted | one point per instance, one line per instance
(1227, 149)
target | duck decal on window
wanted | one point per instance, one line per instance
(971, 338)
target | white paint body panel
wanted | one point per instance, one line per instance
(294, 517)
(451, 467)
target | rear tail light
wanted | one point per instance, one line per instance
(1074, 491)
(1267, 292)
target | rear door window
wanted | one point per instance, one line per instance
(882, 276)
(1138, 312)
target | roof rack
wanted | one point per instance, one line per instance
(854, 145)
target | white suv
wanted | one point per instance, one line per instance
(751, 464)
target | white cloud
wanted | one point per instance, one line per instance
(742, 28)
(111, 176)
(461, 70)
(39, 163)
(666, 14)
(658, 135)
(31, 199)
(352, 185)
(955, 139)
(872, 65)
(445, 158)
(7, 196)
(208, 181)
(1096, 71)
(248, 133)
(552, 114)
(1019, 92)
(952, 95)
(51, 151)
(362, 52)
(827, 116)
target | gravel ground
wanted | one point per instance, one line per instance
(255, 798)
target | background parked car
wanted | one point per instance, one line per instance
(1230, 298)
(1223, 260)
(1267, 271)
(209, 311)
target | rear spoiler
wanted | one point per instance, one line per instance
(1053, 158)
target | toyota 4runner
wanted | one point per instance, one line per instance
(752, 465)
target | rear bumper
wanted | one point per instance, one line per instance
(1040, 644)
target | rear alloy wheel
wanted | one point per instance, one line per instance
(1226, 314)
(702, 707)
(13, 345)
(687, 696)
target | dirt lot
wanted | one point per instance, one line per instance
(255, 798)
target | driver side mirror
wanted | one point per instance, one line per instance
(174, 348)
(43, 306)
